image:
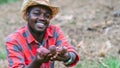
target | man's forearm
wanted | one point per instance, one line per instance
(34, 64)
(71, 59)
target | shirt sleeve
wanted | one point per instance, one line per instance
(62, 40)
(14, 54)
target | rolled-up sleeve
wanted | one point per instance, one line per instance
(62, 40)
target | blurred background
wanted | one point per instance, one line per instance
(92, 26)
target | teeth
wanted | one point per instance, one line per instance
(40, 24)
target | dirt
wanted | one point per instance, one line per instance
(92, 26)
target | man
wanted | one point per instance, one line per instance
(38, 44)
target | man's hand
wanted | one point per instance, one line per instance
(53, 53)
(43, 54)
(59, 53)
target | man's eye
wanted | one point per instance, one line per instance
(36, 13)
(47, 15)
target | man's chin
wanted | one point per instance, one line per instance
(40, 31)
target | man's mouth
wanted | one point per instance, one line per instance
(40, 25)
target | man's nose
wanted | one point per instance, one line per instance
(41, 17)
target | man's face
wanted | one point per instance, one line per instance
(39, 18)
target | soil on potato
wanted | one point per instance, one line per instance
(92, 26)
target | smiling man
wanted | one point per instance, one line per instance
(38, 44)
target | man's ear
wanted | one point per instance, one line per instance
(27, 15)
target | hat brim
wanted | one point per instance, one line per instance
(24, 8)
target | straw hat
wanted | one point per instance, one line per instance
(28, 3)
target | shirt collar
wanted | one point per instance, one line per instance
(49, 31)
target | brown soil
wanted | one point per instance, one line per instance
(92, 26)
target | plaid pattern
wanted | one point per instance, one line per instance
(21, 46)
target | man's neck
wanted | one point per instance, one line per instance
(37, 35)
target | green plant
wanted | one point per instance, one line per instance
(2, 52)
(7, 1)
(107, 62)
(3, 55)
(79, 65)
(111, 62)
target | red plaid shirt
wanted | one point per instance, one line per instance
(21, 46)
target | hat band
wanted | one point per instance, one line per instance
(42, 2)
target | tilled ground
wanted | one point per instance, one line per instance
(93, 26)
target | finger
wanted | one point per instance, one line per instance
(43, 51)
(54, 57)
(40, 49)
(64, 50)
(52, 49)
(49, 55)
(64, 47)
(59, 58)
(39, 57)
(41, 46)
(59, 48)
